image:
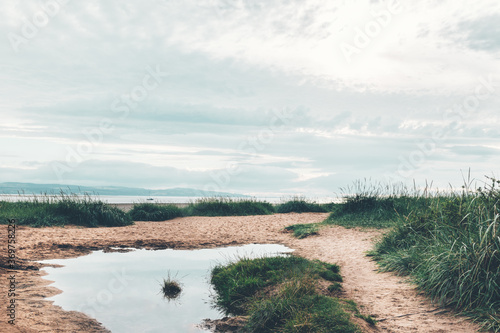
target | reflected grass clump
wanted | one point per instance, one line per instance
(170, 288)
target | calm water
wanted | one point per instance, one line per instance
(122, 290)
(114, 199)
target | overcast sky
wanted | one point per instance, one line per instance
(249, 96)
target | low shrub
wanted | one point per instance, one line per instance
(280, 295)
(154, 212)
(228, 207)
(303, 230)
(451, 250)
(64, 210)
(299, 205)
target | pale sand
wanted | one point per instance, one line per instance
(381, 294)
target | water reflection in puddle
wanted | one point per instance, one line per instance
(122, 290)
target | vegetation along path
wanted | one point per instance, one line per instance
(395, 303)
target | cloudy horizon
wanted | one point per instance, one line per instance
(252, 97)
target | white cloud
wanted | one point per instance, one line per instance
(230, 66)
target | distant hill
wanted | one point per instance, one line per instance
(30, 188)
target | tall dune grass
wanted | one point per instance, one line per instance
(280, 294)
(375, 205)
(300, 205)
(154, 212)
(451, 250)
(447, 242)
(63, 210)
(222, 206)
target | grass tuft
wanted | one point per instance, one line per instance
(448, 243)
(369, 319)
(63, 210)
(170, 288)
(331, 276)
(334, 287)
(303, 230)
(228, 207)
(333, 267)
(279, 294)
(154, 212)
(374, 205)
(299, 205)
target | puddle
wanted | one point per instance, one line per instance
(123, 292)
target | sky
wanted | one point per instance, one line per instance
(285, 97)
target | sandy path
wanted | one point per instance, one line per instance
(380, 294)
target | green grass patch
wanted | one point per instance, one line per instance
(372, 211)
(352, 307)
(299, 205)
(279, 294)
(333, 267)
(447, 243)
(63, 210)
(154, 212)
(228, 207)
(334, 287)
(369, 205)
(304, 230)
(451, 249)
(369, 319)
(331, 276)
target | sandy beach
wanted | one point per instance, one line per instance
(384, 295)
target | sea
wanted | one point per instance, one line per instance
(124, 199)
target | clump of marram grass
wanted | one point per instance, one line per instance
(365, 205)
(154, 212)
(303, 230)
(333, 267)
(280, 294)
(170, 288)
(447, 242)
(451, 250)
(299, 205)
(334, 287)
(225, 206)
(374, 205)
(331, 276)
(64, 209)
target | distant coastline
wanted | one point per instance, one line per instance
(15, 188)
